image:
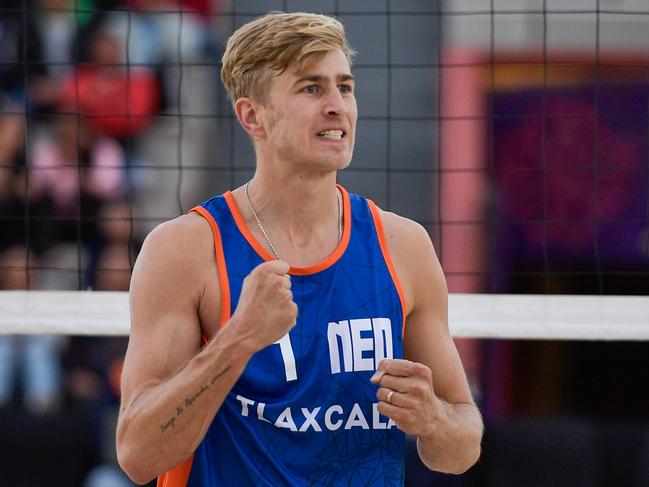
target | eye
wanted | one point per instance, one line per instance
(345, 88)
(310, 89)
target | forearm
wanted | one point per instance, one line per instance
(454, 445)
(162, 426)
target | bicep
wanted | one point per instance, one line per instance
(427, 337)
(165, 328)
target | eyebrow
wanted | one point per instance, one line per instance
(318, 78)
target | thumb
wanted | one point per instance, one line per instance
(279, 267)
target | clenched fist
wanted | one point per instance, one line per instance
(406, 395)
(266, 311)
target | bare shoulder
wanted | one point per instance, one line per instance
(186, 238)
(403, 233)
(413, 255)
(175, 260)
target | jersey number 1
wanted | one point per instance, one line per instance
(289, 358)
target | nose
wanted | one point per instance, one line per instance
(334, 105)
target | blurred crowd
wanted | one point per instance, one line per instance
(81, 83)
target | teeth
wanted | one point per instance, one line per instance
(332, 134)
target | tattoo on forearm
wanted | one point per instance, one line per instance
(189, 401)
(170, 423)
(218, 376)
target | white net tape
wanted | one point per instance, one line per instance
(548, 317)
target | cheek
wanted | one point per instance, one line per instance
(353, 111)
(277, 127)
(271, 121)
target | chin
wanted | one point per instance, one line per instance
(336, 162)
(333, 164)
(345, 164)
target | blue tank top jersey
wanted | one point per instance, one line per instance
(303, 413)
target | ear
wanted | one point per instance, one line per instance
(247, 111)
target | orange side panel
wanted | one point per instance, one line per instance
(177, 476)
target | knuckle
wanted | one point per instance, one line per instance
(419, 389)
(381, 408)
(383, 365)
(417, 406)
(397, 417)
(422, 370)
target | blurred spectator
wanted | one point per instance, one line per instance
(57, 28)
(112, 273)
(12, 136)
(204, 8)
(29, 364)
(117, 101)
(20, 196)
(35, 357)
(20, 50)
(80, 170)
(160, 37)
(117, 224)
(119, 237)
(93, 364)
(66, 28)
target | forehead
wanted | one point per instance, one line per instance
(333, 65)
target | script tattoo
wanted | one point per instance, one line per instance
(171, 423)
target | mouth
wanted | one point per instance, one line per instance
(332, 134)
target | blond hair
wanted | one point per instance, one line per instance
(276, 41)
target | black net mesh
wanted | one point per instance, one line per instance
(516, 136)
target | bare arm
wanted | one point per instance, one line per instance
(432, 399)
(171, 389)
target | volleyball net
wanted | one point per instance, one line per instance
(550, 317)
(515, 133)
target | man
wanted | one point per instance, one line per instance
(288, 332)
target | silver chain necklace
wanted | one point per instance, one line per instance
(261, 227)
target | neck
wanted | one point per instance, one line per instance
(299, 213)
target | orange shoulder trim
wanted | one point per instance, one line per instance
(300, 271)
(224, 284)
(388, 260)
